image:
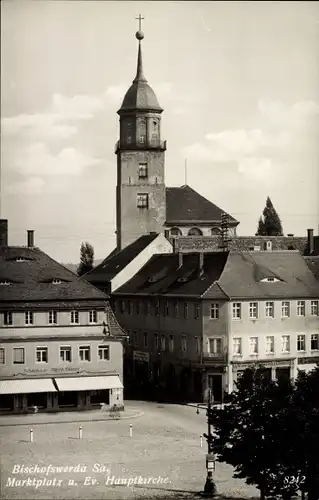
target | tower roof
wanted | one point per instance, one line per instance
(140, 96)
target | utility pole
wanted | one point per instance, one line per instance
(210, 487)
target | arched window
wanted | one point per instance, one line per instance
(195, 231)
(142, 131)
(215, 231)
(175, 231)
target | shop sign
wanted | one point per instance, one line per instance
(266, 364)
(306, 361)
(141, 356)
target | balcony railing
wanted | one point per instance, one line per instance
(219, 358)
(161, 145)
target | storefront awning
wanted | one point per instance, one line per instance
(88, 383)
(26, 386)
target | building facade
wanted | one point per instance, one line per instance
(196, 321)
(60, 344)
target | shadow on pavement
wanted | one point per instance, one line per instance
(182, 494)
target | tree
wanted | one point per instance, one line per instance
(86, 258)
(251, 434)
(269, 223)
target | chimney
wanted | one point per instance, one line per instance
(310, 241)
(3, 232)
(30, 238)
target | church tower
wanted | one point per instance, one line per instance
(140, 191)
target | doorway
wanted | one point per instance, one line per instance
(215, 384)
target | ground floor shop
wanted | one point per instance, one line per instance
(153, 378)
(60, 394)
(271, 370)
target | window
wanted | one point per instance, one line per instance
(185, 310)
(8, 318)
(315, 342)
(18, 355)
(142, 171)
(285, 309)
(175, 231)
(314, 308)
(184, 343)
(214, 311)
(215, 346)
(5, 282)
(301, 308)
(130, 307)
(253, 310)
(92, 316)
(28, 318)
(237, 347)
(253, 345)
(171, 343)
(301, 342)
(176, 309)
(53, 318)
(56, 281)
(104, 352)
(138, 308)
(142, 139)
(270, 344)
(148, 308)
(122, 306)
(269, 310)
(196, 311)
(236, 310)
(85, 353)
(135, 338)
(20, 259)
(163, 342)
(195, 231)
(74, 317)
(285, 343)
(142, 200)
(156, 340)
(145, 339)
(2, 356)
(66, 353)
(41, 354)
(157, 308)
(166, 308)
(198, 342)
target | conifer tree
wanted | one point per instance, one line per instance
(86, 258)
(269, 223)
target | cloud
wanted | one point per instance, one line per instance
(39, 162)
(32, 186)
(257, 151)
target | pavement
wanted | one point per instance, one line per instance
(129, 412)
(162, 457)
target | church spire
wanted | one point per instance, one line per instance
(139, 35)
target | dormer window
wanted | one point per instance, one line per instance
(20, 259)
(56, 281)
(270, 279)
(5, 282)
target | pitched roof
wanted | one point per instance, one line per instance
(163, 275)
(114, 327)
(225, 275)
(185, 204)
(238, 279)
(115, 262)
(31, 279)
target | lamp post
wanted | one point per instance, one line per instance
(210, 487)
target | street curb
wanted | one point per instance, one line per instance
(136, 415)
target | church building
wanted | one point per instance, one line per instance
(143, 203)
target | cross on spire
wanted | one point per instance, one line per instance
(139, 19)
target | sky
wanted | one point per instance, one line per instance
(239, 84)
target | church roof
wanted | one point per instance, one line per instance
(115, 262)
(184, 204)
(140, 96)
